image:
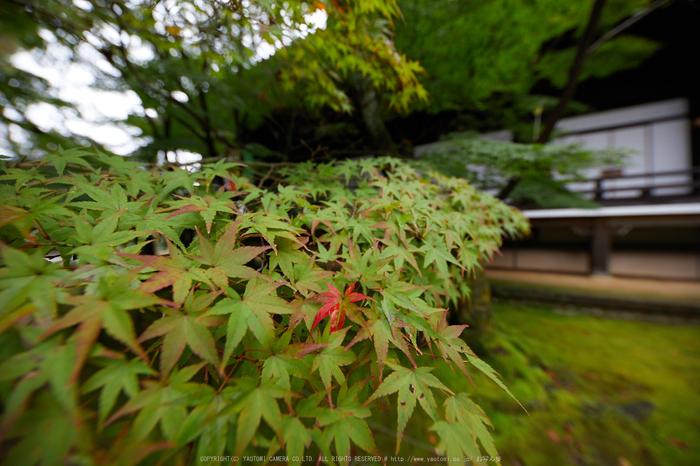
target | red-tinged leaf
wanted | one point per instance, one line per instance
(337, 319)
(176, 271)
(336, 304)
(173, 345)
(299, 350)
(207, 206)
(187, 209)
(86, 335)
(354, 296)
(324, 312)
(326, 222)
(160, 327)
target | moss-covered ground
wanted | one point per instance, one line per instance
(598, 391)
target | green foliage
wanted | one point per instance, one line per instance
(486, 57)
(202, 69)
(623, 53)
(116, 351)
(543, 169)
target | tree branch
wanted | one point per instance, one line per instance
(574, 72)
(625, 24)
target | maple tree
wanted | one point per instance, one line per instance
(117, 352)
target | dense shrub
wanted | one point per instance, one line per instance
(123, 339)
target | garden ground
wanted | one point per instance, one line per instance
(598, 391)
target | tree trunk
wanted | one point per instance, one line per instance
(477, 313)
(574, 72)
(371, 116)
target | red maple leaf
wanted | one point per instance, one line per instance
(335, 305)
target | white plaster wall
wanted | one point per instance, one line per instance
(636, 114)
(661, 145)
(671, 151)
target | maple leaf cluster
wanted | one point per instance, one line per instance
(148, 315)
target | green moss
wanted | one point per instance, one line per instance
(598, 391)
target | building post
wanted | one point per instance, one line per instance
(600, 248)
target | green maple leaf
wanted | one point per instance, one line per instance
(456, 442)
(22, 176)
(491, 374)
(252, 311)
(325, 255)
(28, 283)
(220, 168)
(164, 402)
(175, 270)
(347, 405)
(344, 422)
(64, 157)
(347, 168)
(23, 211)
(108, 202)
(108, 310)
(335, 241)
(331, 358)
(287, 253)
(436, 252)
(288, 360)
(100, 241)
(360, 227)
(256, 401)
(463, 410)
(350, 428)
(183, 329)
(138, 180)
(296, 437)
(269, 226)
(153, 221)
(211, 428)
(104, 232)
(48, 361)
(367, 268)
(382, 334)
(46, 434)
(412, 385)
(307, 278)
(116, 376)
(207, 206)
(178, 178)
(225, 260)
(400, 253)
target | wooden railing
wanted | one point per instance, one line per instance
(692, 182)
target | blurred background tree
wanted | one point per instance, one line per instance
(202, 70)
(335, 78)
(487, 63)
